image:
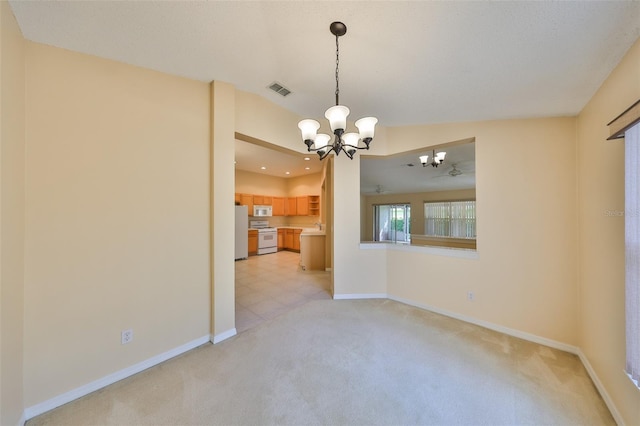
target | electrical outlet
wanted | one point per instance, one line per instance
(470, 296)
(126, 336)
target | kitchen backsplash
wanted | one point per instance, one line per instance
(301, 221)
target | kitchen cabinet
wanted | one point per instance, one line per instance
(291, 207)
(262, 200)
(312, 252)
(308, 205)
(247, 200)
(314, 205)
(302, 205)
(253, 242)
(278, 206)
(288, 239)
(296, 239)
(291, 240)
(281, 233)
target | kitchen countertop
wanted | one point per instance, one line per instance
(306, 231)
(311, 232)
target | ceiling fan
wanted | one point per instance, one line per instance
(454, 172)
(378, 191)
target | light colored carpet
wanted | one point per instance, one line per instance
(352, 362)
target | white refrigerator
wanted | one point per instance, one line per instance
(242, 233)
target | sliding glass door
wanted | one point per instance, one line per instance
(392, 223)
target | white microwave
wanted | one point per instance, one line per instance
(262, 211)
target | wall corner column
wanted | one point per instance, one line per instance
(222, 211)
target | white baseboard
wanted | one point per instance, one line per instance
(506, 330)
(223, 336)
(76, 393)
(360, 296)
(603, 392)
(81, 391)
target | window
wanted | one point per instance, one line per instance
(392, 223)
(455, 219)
(627, 126)
(632, 250)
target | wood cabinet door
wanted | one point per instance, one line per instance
(302, 205)
(288, 239)
(253, 242)
(247, 200)
(278, 206)
(296, 239)
(267, 200)
(258, 200)
(291, 208)
(280, 239)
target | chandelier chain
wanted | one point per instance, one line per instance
(337, 69)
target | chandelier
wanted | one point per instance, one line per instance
(436, 161)
(337, 116)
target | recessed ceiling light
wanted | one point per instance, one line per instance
(307, 168)
(263, 168)
(307, 158)
(287, 173)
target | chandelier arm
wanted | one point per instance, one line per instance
(324, 155)
(349, 153)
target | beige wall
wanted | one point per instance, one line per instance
(12, 151)
(416, 201)
(355, 271)
(304, 185)
(600, 190)
(525, 275)
(117, 217)
(259, 184)
(256, 183)
(263, 120)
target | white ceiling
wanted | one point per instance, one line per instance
(405, 62)
(281, 163)
(403, 173)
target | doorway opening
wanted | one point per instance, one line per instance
(392, 223)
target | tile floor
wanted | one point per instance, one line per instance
(272, 284)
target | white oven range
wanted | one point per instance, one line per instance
(267, 236)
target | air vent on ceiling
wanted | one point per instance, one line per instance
(279, 89)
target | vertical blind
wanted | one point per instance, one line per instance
(632, 250)
(450, 219)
